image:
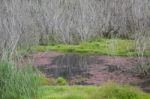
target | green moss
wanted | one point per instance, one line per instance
(118, 47)
(107, 91)
(115, 91)
(61, 81)
(43, 80)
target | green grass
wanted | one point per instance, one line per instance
(117, 47)
(107, 91)
(17, 83)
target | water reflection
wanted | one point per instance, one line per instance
(68, 66)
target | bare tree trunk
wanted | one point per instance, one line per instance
(28, 22)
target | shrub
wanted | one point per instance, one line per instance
(17, 83)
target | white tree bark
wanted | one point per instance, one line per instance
(30, 22)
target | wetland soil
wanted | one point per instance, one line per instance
(92, 70)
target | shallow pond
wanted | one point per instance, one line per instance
(90, 70)
(68, 66)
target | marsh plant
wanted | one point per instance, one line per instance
(16, 83)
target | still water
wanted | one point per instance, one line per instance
(68, 66)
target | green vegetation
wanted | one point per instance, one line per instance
(107, 91)
(61, 81)
(114, 91)
(16, 83)
(118, 47)
(42, 80)
(24, 83)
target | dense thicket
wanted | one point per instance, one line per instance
(28, 22)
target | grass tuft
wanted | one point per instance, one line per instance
(16, 83)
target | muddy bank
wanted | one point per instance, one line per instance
(91, 70)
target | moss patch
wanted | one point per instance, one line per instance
(107, 91)
(117, 47)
